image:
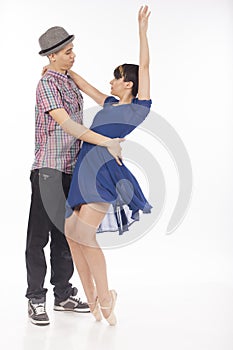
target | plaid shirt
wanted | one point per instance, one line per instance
(53, 147)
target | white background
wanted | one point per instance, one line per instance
(175, 292)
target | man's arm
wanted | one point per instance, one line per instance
(82, 133)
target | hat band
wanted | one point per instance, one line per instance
(58, 44)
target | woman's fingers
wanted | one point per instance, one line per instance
(143, 12)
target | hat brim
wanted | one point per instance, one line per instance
(57, 47)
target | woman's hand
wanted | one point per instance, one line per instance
(45, 69)
(143, 16)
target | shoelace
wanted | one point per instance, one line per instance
(39, 309)
(77, 300)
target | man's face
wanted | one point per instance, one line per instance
(64, 59)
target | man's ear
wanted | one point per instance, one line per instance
(52, 57)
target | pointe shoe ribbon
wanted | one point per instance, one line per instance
(96, 311)
(111, 318)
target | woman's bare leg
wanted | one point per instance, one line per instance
(83, 271)
(84, 232)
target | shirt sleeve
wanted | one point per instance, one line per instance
(145, 103)
(110, 99)
(48, 95)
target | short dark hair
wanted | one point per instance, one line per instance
(130, 73)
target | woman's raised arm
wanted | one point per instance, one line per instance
(144, 57)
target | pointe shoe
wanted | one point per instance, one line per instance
(111, 318)
(96, 311)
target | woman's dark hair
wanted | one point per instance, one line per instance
(130, 73)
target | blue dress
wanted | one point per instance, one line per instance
(97, 176)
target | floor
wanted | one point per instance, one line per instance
(150, 316)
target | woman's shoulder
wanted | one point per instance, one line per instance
(145, 103)
(110, 100)
(113, 100)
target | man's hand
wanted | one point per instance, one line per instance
(114, 148)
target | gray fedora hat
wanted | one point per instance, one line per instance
(53, 40)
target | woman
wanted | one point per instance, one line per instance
(99, 182)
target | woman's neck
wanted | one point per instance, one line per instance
(125, 99)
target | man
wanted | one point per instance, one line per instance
(58, 133)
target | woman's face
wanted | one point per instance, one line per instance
(117, 86)
(63, 59)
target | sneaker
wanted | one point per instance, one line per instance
(72, 304)
(37, 313)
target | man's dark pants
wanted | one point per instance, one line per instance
(50, 189)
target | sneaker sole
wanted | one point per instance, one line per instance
(61, 308)
(39, 323)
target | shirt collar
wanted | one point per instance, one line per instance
(62, 76)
